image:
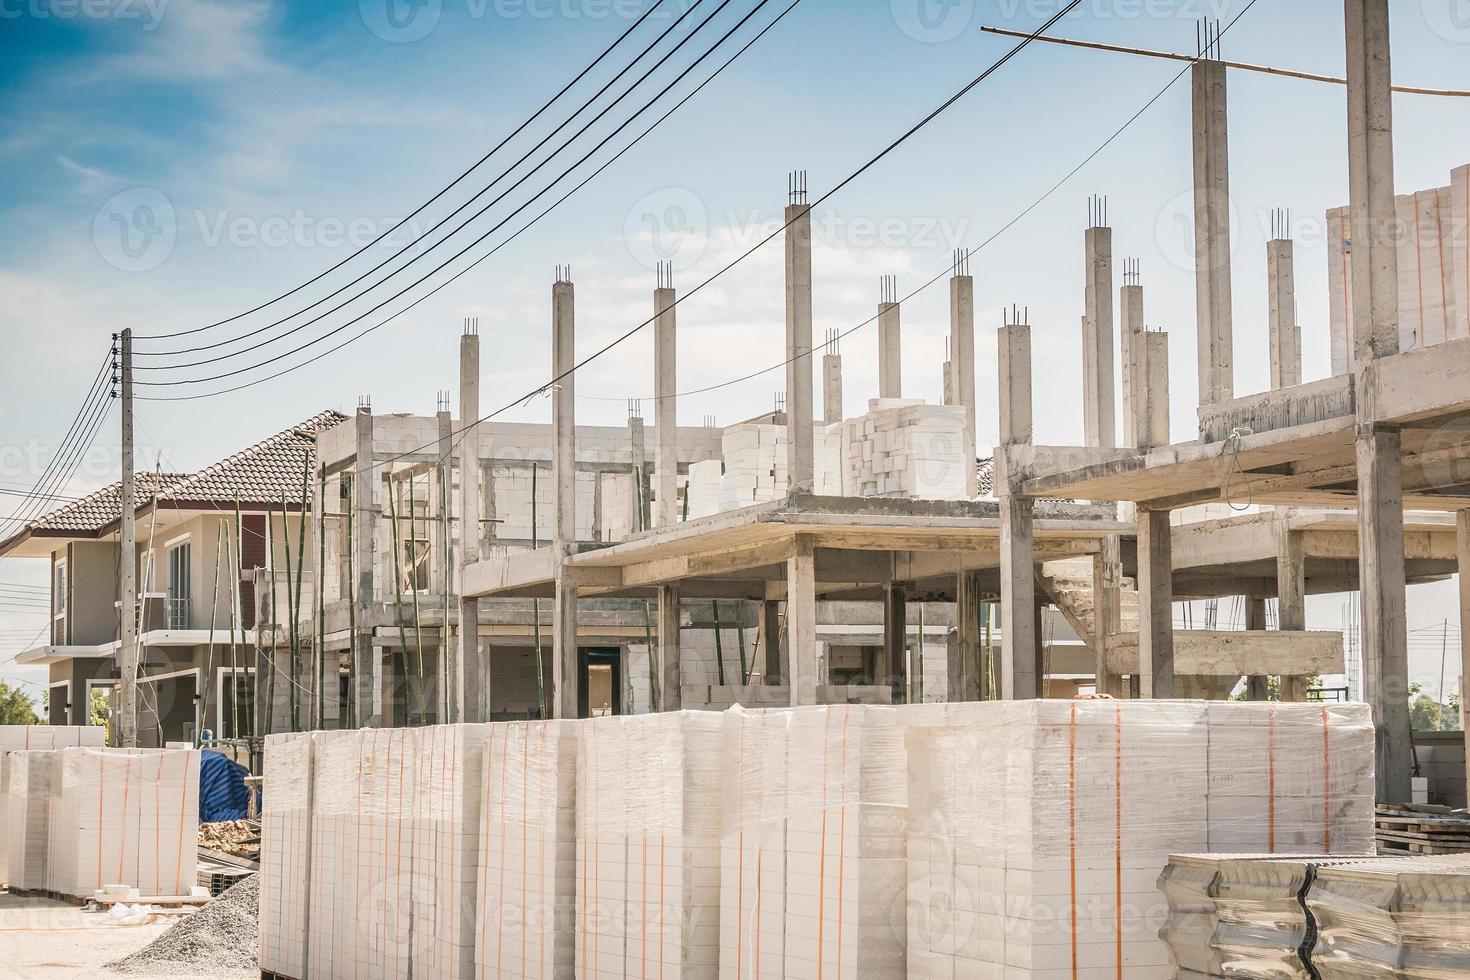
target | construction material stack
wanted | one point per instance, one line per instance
(285, 847)
(17, 738)
(124, 817)
(755, 464)
(528, 852)
(648, 846)
(702, 492)
(904, 448)
(1396, 917)
(1043, 825)
(444, 823)
(814, 834)
(28, 779)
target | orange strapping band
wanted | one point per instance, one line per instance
(1072, 829)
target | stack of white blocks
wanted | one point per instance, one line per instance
(904, 448)
(28, 778)
(1038, 829)
(285, 843)
(444, 824)
(648, 847)
(703, 490)
(813, 872)
(1433, 237)
(14, 738)
(124, 817)
(755, 464)
(528, 852)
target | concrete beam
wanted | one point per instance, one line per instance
(1237, 653)
(962, 369)
(890, 351)
(1212, 232)
(800, 461)
(1286, 335)
(1155, 605)
(1099, 411)
(805, 665)
(666, 407)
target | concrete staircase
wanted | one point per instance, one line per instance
(1068, 583)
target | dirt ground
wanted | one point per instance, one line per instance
(45, 940)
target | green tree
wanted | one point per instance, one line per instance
(16, 707)
(1428, 715)
(99, 711)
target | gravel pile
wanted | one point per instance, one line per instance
(221, 938)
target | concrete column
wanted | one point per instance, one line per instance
(1130, 305)
(564, 414)
(1099, 412)
(566, 666)
(799, 445)
(1462, 538)
(1107, 617)
(471, 694)
(1376, 334)
(832, 387)
(1212, 233)
(895, 639)
(962, 369)
(890, 351)
(1291, 603)
(637, 445)
(1150, 397)
(1014, 370)
(804, 666)
(1019, 677)
(1286, 337)
(770, 632)
(366, 660)
(666, 416)
(1257, 687)
(965, 667)
(1155, 605)
(671, 675)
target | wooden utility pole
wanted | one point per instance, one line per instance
(127, 661)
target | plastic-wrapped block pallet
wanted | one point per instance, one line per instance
(528, 852)
(812, 859)
(28, 778)
(124, 817)
(15, 738)
(445, 824)
(362, 887)
(1044, 824)
(1397, 917)
(648, 846)
(285, 849)
(1241, 915)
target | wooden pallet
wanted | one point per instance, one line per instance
(76, 900)
(268, 975)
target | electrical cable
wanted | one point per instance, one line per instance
(413, 214)
(502, 223)
(585, 181)
(73, 459)
(44, 485)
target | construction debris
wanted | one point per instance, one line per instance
(238, 837)
(220, 940)
(1417, 829)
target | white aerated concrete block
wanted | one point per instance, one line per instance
(285, 844)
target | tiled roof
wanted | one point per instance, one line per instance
(101, 506)
(262, 473)
(258, 475)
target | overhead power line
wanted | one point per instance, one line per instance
(419, 210)
(511, 238)
(554, 182)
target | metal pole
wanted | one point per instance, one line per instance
(128, 651)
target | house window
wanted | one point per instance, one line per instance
(178, 586)
(58, 590)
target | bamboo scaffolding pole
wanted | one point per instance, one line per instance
(351, 705)
(446, 566)
(719, 649)
(321, 605)
(413, 583)
(398, 590)
(209, 647)
(237, 617)
(536, 606)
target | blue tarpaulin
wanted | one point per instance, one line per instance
(222, 792)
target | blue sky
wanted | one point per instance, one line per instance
(272, 130)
